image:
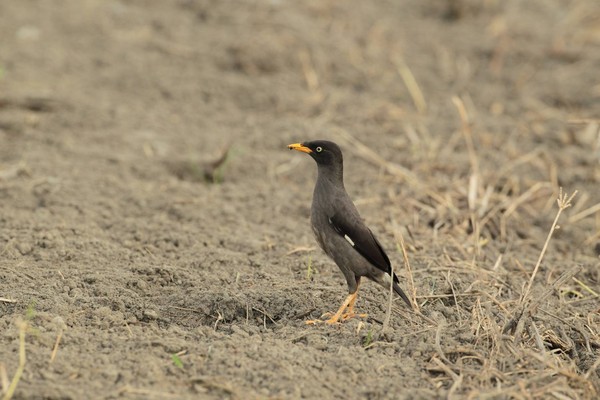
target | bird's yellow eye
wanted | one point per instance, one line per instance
(319, 149)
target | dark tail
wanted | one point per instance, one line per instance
(398, 290)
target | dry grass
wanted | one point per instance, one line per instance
(511, 334)
(8, 392)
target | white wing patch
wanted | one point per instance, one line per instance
(349, 240)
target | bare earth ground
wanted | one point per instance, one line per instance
(132, 276)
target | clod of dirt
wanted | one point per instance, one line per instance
(203, 171)
(36, 104)
(14, 171)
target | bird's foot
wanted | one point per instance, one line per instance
(313, 321)
(349, 314)
(352, 314)
(322, 319)
(336, 319)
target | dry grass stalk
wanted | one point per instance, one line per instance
(564, 202)
(388, 313)
(310, 74)
(586, 287)
(22, 359)
(592, 369)
(523, 198)
(411, 282)
(585, 213)
(391, 295)
(473, 187)
(411, 84)
(55, 348)
(457, 383)
(300, 249)
(593, 238)
(467, 133)
(458, 313)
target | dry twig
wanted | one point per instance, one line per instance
(19, 372)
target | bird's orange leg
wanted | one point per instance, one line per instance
(338, 314)
(347, 305)
(350, 312)
(351, 299)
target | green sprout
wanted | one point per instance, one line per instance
(177, 361)
(310, 271)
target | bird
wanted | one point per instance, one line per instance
(341, 232)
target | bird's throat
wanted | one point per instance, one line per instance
(331, 175)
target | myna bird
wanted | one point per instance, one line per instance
(341, 232)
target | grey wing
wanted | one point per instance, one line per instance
(362, 240)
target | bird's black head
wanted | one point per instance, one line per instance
(324, 152)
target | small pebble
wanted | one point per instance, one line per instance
(239, 331)
(317, 341)
(150, 314)
(24, 248)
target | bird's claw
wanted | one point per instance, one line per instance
(321, 319)
(330, 321)
(350, 315)
(335, 321)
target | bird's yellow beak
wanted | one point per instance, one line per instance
(299, 147)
